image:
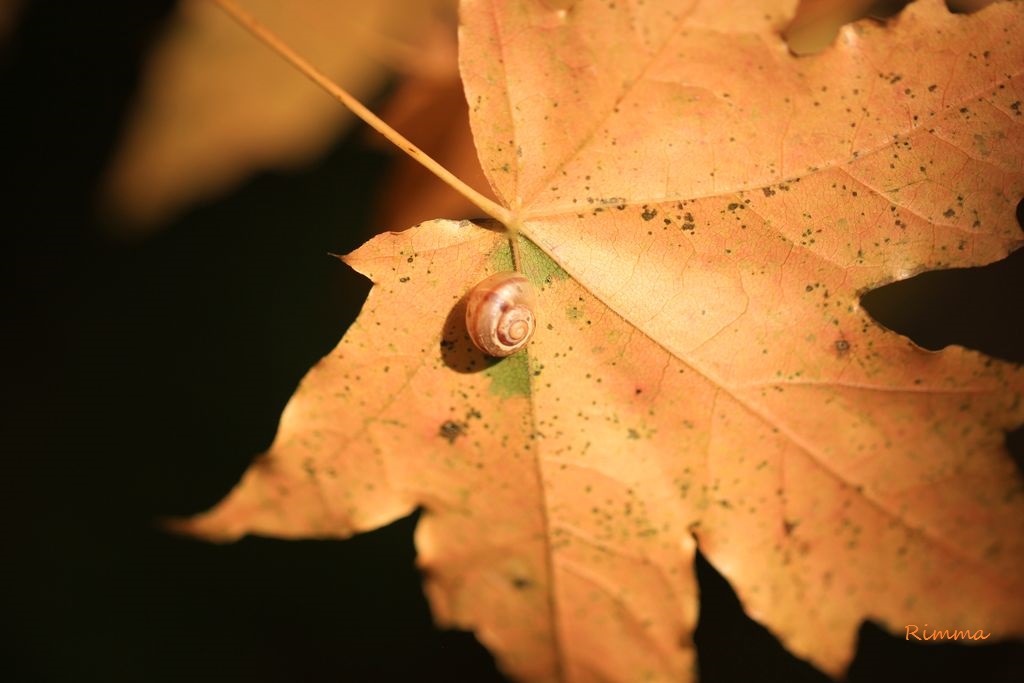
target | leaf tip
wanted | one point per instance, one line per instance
(197, 527)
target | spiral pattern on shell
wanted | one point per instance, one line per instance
(500, 314)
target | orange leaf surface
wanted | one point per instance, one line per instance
(701, 212)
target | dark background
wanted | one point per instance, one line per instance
(140, 378)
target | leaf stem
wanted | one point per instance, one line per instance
(268, 37)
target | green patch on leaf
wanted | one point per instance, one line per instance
(501, 257)
(510, 376)
(538, 266)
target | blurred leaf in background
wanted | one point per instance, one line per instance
(818, 21)
(216, 105)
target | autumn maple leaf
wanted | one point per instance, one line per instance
(700, 211)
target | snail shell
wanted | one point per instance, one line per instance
(500, 314)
